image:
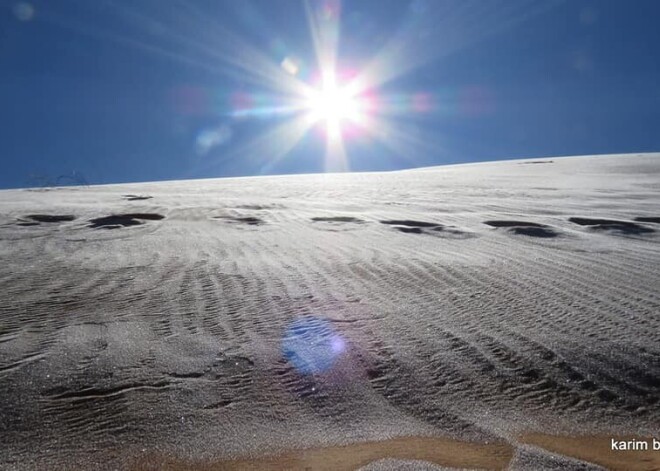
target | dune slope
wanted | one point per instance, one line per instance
(235, 321)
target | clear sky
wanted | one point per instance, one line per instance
(141, 90)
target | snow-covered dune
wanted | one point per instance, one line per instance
(461, 316)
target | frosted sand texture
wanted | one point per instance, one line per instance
(497, 315)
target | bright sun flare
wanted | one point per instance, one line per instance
(333, 106)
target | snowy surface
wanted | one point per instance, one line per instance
(224, 318)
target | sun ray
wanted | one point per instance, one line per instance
(266, 149)
(338, 103)
(104, 34)
(324, 23)
(448, 30)
(404, 140)
(242, 55)
(212, 48)
(336, 158)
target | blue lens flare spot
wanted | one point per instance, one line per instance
(311, 345)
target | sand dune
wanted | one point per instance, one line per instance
(484, 316)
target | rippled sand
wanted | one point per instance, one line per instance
(492, 315)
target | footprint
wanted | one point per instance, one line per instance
(537, 162)
(117, 221)
(337, 219)
(534, 231)
(337, 223)
(409, 226)
(136, 197)
(50, 218)
(502, 223)
(248, 220)
(259, 207)
(655, 220)
(36, 219)
(530, 229)
(409, 223)
(409, 230)
(613, 225)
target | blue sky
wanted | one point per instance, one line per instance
(128, 91)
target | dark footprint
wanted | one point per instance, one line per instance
(249, 220)
(422, 227)
(513, 224)
(411, 227)
(116, 221)
(136, 197)
(259, 207)
(409, 223)
(655, 220)
(451, 232)
(51, 217)
(337, 219)
(530, 229)
(534, 231)
(613, 225)
(409, 230)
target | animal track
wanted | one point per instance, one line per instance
(136, 197)
(117, 221)
(531, 229)
(613, 225)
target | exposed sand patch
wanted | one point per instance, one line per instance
(438, 451)
(441, 451)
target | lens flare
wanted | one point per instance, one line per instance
(24, 11)
(311, 345)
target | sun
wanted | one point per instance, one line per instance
(334, 106)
